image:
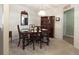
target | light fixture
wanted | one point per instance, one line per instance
(57, 18)
(41, 13)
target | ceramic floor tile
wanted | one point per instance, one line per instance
(56, 47)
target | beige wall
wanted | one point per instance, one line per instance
(1, 31)
(59, 24)
(34, 18)
(76, 28)
(14, 18)
(1, 8)
(5, 20)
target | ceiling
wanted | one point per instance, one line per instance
(38, 7)
(43, 6)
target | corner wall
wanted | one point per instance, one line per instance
(5, 20)
(1, 30)
(76, 28)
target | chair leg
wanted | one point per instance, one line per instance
(33, 45)
(19, 42)
(40, 45)
(48, 41)
(28, 42)
(11, 39)
(23, 43)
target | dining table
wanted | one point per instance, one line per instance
(28, 32)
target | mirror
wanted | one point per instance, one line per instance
(24, 18)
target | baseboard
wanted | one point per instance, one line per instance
(69, 36)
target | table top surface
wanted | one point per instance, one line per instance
(30, 31)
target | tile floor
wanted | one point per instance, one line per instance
(56, 47)
(69, 39)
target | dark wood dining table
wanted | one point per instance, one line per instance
(28, 32)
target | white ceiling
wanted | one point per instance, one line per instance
(44, 6)
(38, 7)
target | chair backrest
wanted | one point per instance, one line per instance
(45, 31)
(10, 33)
(37, 28)
(31, 26)
(18, 30)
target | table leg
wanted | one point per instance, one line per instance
(33, 45)
(40, 43)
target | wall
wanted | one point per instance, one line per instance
(76, 23)
(76, 29)
(34, 18)
(5, 21)
(14, 19)
(1, 31)
(0, 16)
(59, 24)
(58, 12)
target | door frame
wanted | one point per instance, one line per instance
(65, 23)
(52, 24)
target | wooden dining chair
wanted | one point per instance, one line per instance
(39, 36)
(31, 27)
(37, 32)
(20, 35)
(34, 37)
(10, 35)
(45, 35)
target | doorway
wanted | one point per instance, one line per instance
(68, 26)
(48, 21)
